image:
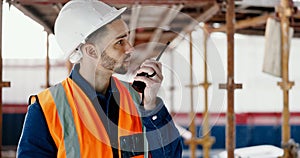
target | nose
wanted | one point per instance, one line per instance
(129, 48)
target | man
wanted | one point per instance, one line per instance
(91, 113)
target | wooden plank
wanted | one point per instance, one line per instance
(130, 2)
(146, 35)
(264, 3)
(256, 21)
(135, 12)
(165, 21)
(208, 14)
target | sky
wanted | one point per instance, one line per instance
(24, 38)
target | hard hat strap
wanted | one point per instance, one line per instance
(76, 55)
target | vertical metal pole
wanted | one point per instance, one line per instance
(285, 78)
(47, 63)
(1, 11)
(230, 85)
(230, 128)
(207, 141)
(192, 113)
(206, 132)
(285, 84)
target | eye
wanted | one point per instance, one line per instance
(120, 42)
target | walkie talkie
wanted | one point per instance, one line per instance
(140, 86)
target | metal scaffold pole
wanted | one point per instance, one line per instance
(208, 140)
(47, 63)
(285, 12)
(230, 86)
(192, 143)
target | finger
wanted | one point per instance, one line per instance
(146, 80)
(160, 65)
(157, 78)
(148, 70)
(149, 62)
(152, 75)
(155, 65)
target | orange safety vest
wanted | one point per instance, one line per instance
(75, 125)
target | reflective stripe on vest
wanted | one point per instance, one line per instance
(77, 130)
(67, 121)
(137, 100)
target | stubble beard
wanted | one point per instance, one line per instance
(112, 64)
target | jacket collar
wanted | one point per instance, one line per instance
(85, 86)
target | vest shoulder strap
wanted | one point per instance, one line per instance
(135, 95)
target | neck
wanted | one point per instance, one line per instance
(98, 79)
(102, 81)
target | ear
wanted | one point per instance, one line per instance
(90, 50)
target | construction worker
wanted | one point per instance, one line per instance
(91, 113)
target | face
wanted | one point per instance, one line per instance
(116, 48)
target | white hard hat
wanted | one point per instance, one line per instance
(78, 19)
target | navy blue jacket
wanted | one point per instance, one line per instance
(163, 137)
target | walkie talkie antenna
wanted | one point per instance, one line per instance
(160, 54)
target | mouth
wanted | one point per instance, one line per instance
(127, 59)
(126, 62)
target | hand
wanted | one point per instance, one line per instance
(152, 83)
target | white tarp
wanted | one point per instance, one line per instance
(272, 58)
(260, 151)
